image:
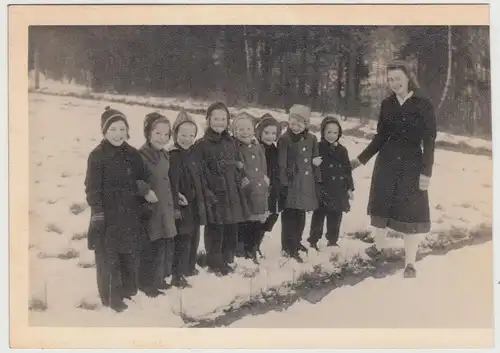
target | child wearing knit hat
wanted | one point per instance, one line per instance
(298, 175)
(336, 186)
(188, 198)
(222, 176)
(115, 176)
(158, 247)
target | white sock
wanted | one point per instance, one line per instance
(380, 236)
(411, 248)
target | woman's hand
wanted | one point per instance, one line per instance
(355, 163)
(266, 179)
(424, 182)
(351, 195)
(151, 197)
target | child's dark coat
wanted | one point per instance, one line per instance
(336, 175)
(185, 178)
(111, 189)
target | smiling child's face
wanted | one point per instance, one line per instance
(269, 134)
(244, 131)
(117, 133)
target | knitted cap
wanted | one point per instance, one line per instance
(301, 111)
(150, 122)
(240, 117)
(182, 117)
(267, 120)
(330, 120)
(109, 117)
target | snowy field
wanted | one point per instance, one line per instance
(440, 297)
(63, 130)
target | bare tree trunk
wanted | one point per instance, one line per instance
(249, 72)
(36, 64)
(448, 76)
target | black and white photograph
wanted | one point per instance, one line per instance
(307, 176)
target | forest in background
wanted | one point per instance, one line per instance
(334, 69)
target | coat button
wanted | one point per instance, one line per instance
(253, 156)
(333, 178)
(341, 178)
(259, 184)
(331, 165)
(306, 160)
(306, 173)
(256, 169)
(166, 178)
(304, 149)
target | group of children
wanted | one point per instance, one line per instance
(147, 205)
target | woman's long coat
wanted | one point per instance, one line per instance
(297, 171)
(336, 176)
(111, 188)
(405, 142)
(161, 224)
(221, 175)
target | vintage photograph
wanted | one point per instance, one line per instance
(260, 176)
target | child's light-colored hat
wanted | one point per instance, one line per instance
(302, 112)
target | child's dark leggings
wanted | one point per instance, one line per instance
(333, 220)
(182, 245)
(220, 244)
(116, 275)
(250, 233)
(293, 222)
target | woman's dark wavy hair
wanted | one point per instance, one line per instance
(403, 66)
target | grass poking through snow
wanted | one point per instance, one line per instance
(77, 208)
(37, 305)
(54, 228)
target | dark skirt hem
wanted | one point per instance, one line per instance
(402, 227)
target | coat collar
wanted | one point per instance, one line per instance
(152, 154)
(111, 150)
(329, 148)
(212, 136)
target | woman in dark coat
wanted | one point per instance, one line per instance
(111, 186)
(405, 141)
(185, 180)
(158, 247)
(336, 186)
(222, 175)
(299, 174)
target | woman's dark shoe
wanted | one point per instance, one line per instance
(303, 248)
(410, 271)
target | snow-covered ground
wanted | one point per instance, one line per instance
(63, 130)
(451, 291)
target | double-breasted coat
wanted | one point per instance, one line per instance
(297, 173)
(111, 189)
(221, 176)
(336, 177)
(161, 223)
(254, 163)
(405, 143)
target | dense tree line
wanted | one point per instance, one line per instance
(332, 68)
